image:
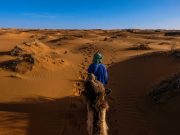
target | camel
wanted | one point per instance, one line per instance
(96, 106)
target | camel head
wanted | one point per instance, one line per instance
(91, 77)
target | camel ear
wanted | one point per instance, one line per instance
(91, 77)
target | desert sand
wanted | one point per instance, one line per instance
(42, 74)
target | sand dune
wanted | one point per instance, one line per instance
(42, 74)
(131, 81)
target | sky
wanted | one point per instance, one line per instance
(90, 14)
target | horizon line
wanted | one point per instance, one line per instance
(25, 28)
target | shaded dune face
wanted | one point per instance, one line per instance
(45, 116)
(130, 82)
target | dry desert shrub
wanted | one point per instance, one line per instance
(166, 89)
(139, 47)
(172, 33)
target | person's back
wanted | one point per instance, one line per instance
(98, 69)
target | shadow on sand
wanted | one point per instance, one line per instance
(66, 116)
(131, 111)
(5, 53)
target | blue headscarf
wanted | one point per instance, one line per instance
(97, 58)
